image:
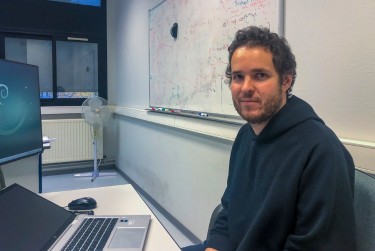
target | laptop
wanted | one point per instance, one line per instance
(33, 223)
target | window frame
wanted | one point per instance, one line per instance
(101, 71)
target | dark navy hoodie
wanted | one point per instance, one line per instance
(289, 188)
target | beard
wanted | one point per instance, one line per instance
(270, 107)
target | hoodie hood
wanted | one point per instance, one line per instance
(293, 113)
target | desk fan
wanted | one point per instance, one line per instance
(97, 113)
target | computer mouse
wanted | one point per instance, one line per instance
(84, 203)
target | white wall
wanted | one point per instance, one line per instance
(334, 45)
(333, 42)
(128, 52)
(185, 173)
(185, 170)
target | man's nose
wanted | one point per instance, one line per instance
(248, 84)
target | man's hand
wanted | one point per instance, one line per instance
(210, 249)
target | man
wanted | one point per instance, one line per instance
(290, 183)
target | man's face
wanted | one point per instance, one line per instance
(256, 89)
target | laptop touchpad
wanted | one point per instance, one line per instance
(127, 238)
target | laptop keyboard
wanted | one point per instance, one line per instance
(91, 235)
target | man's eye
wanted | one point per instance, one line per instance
(237, 77)
(261, 76)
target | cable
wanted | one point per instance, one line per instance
(78, 212)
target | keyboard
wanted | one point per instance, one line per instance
(91, 235)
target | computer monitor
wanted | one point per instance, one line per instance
(20, 115)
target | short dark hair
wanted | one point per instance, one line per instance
(282, 56)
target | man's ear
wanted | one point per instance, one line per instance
(287, 81)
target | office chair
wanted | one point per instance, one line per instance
(364, 206)
(213, 218)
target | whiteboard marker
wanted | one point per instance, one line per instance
(202, 114)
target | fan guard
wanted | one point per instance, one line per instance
(96, 112)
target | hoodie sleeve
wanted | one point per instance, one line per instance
(325, 211)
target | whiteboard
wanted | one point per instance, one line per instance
(188, 72)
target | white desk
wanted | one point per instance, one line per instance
(116, 200)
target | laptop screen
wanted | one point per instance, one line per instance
(28, 221)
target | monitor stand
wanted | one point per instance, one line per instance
(2, 180)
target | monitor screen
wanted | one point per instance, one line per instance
(20, 117)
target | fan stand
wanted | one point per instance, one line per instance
(95, 173)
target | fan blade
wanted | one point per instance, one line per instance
(92, 117)
(95, 103)
(105, 114)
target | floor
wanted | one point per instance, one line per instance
(63, 182)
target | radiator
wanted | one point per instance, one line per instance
(73, 141)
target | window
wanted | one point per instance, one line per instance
(77, 69)
(68, 69)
